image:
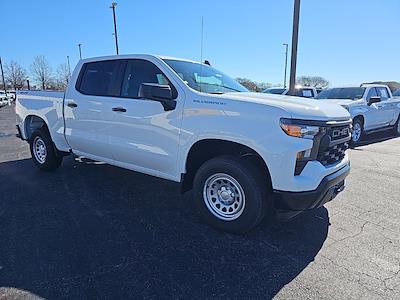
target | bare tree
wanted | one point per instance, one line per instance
(15, 74)
(252, 85)
(63, 76)
(313, 81)
(41, 71)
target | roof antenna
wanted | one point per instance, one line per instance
(202, 37)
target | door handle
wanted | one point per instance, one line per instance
(72, 104)
(119, 109)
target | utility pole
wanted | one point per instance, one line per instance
(295, 39)
(2, 76)
(113, 5)
(27, 83)
(286, 54)
(80, 51)
(69, 69)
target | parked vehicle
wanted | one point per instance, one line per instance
(396, 93)
(3, 99)
(372, 108)
(3, 96)
(305, 92)
(245, 155)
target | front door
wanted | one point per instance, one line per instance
(375, 114)
(145, 136)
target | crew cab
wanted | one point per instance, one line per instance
(372, 108)
(245, 155)
(305, 92)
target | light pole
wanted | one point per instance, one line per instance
(80, 51)
(113, 5)
(286, 53)
(295, 39)
(2, 76)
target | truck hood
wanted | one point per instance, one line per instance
(342, 102)
(297, 107)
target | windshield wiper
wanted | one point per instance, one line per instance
(223, 86)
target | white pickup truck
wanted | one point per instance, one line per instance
(245, 155)
(372, 108)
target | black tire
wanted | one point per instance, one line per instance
(357, 122)
(52, 160)
(258, 199)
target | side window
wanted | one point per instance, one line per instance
(372, 93)
(383, 93)
(141, 71)
(100, 78)
(307, 93)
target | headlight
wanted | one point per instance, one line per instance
(300, 129)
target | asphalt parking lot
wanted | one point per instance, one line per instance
(91, 230)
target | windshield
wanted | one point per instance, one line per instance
(274, 91)
(204, 78)
(351, 93)
(397, 93)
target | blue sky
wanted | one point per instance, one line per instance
(345, 41)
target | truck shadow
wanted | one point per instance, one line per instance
(375, 138)
(97, 231)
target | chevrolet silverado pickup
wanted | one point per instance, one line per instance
(245, 155)
(372, 107)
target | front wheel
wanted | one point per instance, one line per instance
(357, 131)
(231, 194)
(44, 154)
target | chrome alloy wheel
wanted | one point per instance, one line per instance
(224, 196)
(398, 127)
(356, 133)
(39, 150)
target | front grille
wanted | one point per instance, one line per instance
(332, 154)
(339, 132)
(329, 146)
(333, 144)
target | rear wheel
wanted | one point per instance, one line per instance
(231, 194)
(357, 131)
(43, 152)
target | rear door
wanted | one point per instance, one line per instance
(386, 105)
(88, 108)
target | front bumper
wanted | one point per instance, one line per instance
(329, 187)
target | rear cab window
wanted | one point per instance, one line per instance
(100, 78)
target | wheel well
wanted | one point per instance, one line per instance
(207, 149)
(359, 117)
(32, 123)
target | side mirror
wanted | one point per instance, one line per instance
(158, 92)
(373, 100)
